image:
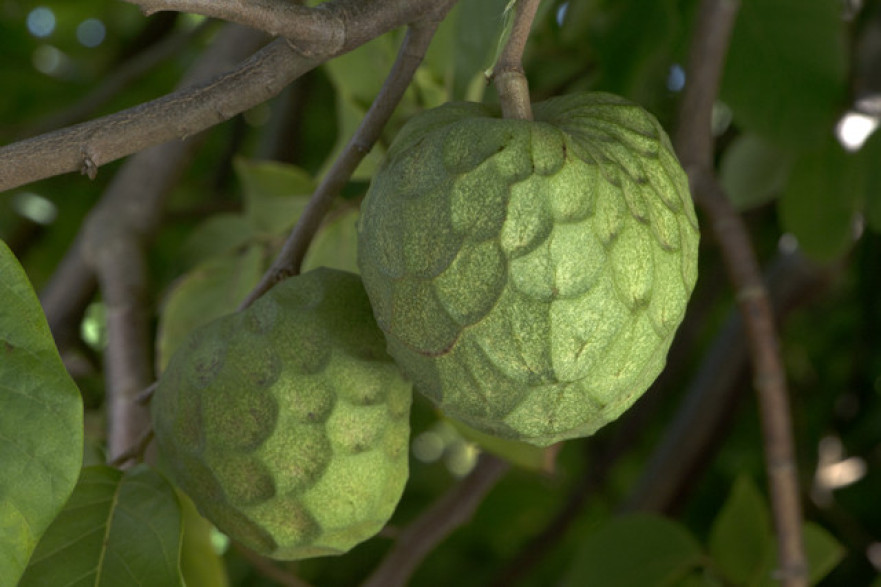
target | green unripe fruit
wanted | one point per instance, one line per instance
(288, 424)
(530, 276)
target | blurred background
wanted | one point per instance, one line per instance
(798, 155)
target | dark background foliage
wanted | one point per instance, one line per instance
(797, 75)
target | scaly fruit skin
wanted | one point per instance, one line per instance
(530, 276)
(288, 424)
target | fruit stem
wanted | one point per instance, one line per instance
(508, 76)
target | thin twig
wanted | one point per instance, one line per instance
(508, 76)
(136, 451)
(453, 509)
(769, 376)
(145, 396)
(694, 145)
(269, 569)
(290, 259)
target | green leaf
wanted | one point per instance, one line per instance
(521, 454)
(41, 422)
(354, 75)
(741, 537)
(786, 69)
(819, 201)
(636, 549)
(116, 529)
(478, 25)
(336, 244)
(822, 550)
(361, 73)
(210, 290)
(200, 564)
(219, 234)
(275, 194)
(753, 171)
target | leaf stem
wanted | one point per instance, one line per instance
(508, 76)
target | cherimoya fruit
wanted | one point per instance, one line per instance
(530, 276)
(288, 424)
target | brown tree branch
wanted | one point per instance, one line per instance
(314, 30)
(508, 75)
(453, 509)
(769, 377)
(111, 245)
(413, 48)
(69, 291)
(694, 145)
(183, 113)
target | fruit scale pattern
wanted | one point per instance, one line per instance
(287, 423)
(527, 277)
(530, 276)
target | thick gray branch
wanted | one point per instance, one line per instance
(87, 146)
(112, 246)
(315, 30)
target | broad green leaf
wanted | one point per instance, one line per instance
(432, 92)
(786, 69)
(354, 75)
(41, 422)
(200, 564)
(336, 244)
(361, 73)
(635, 549)
(275, 194)
(210, 290)
(818, 204)
(521, 454)
(478, 26)
(753, 171)
(116, 529)
(438, 62)
(219, 234)
(822, 550)
(741, 541)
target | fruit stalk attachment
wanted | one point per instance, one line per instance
(508, 76)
